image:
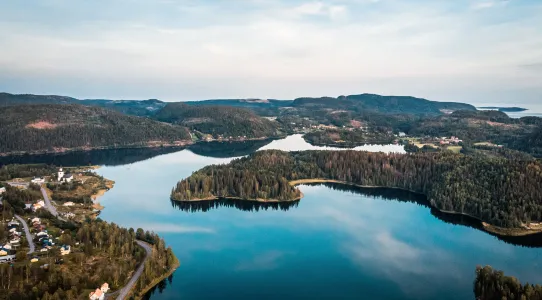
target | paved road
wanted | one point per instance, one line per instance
(48, 203)
(126, 289)
(28, 235)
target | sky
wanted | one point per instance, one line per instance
(475, 51)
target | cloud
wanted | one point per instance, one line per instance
(185, 50)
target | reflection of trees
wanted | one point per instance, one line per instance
(228, 149)
(244, 205)
(110, 157)
(160, 287)
(532, 240)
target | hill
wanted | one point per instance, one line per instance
(129, 107)
(57, 128)
(218, 120)
(384, 104)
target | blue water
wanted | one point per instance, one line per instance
(333, 244)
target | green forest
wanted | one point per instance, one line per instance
(55, 127)
(501, 192)
(218, 120)
(347, 138)
(491, 284)
(105, 253)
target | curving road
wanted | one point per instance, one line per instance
(123, 293)
(28, 235)
(48, 203)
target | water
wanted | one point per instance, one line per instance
(533, 109)
(334, 243)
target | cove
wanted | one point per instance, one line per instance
(337, 242)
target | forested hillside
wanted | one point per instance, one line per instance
(384, 104)
(502, 192)
(54, 128)
(218, 120)
(492, 284)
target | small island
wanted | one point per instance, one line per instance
(504, 195)
(504, 109)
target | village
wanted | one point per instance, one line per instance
(38, 240)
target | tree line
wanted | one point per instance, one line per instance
(499, 191)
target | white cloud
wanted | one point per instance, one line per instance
(187, 50)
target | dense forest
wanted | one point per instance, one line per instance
(219, 120)
(480, 126)
(492, 284)
(53, 128)
(11, 171)
(106, 253)
(347, 138)
(502, 192)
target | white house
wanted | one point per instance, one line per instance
(43, 233)
(38, 180)
(64, 250)
(7, 246)
(96, 295)
(35, 220)
(2, 190)
(69, 203)
(105, 287)
(64, 177)
(15, 241)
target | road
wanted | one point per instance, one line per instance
(28, 235)
(126, 289)
(48, 204)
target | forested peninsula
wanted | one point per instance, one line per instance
(505, 194)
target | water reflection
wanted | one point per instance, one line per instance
(160, 287)
(110, 157)
(244, 205)
(227, 149)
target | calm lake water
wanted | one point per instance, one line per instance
(334, 243)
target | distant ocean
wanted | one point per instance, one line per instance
(532, 109)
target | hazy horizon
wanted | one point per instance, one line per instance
(472, 51)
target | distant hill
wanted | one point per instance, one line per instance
(129, 107)
(384, 104)
(218, 120)
(265, 107)
(56, 128)
(7, 99)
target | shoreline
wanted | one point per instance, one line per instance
(178, 144)
(156, 281)
(492, 229)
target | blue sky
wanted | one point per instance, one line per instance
(477, 51)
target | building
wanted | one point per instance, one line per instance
(96, 295)
(38, 180)
(105, 287)
(35, 220)
(65, 250)
(69, 203)
(64, 177)
(2, 190)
